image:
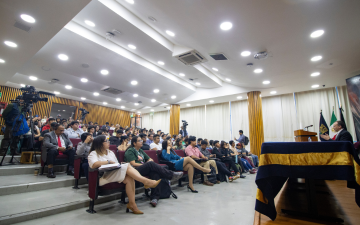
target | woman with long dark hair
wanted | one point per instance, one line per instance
(181, 164)
(101, 155)
(123, 143)
(178, 144)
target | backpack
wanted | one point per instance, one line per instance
(10, 116)
(212, 176)
(20, 126)
(246, 141)
(165, 189)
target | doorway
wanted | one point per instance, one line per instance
(62, 111)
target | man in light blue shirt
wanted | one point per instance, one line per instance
(74, 131)
(241, 138)
(150, 139)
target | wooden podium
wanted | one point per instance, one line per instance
(303, 136)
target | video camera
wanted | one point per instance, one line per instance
(184, 124)
(84, 112)
(30, 96)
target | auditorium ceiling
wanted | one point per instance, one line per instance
(282, 28)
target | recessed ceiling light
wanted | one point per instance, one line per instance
(315, 74)
(151, 110)
(104, 72)
(84, 80)
(2, 61)
(239, 97)
(135, 95)
(266, 82)
(215, 69)
(211, 101)
(181, 74)
(168, 107)
(315, 86)
(32, 78)
(161, 62)
(22, 85)
(56, 92)
(63, 57)
(123, 107)
(138, 112)
(156, 90)
(27, 18)
(272, 92)
(132, 46)
(91, 24)
(188, 104)
(64, 110)
(258, 71)
(226, 26)
(134, 82)
(173, 97)
(317, 33)
(118, 99)
(316, 58)
(245, 53)
(136, 103)
(68, 87)
(82, 98)
(227, 79)
(96, 93)
(153, 100)
(197, 83)
(130, 1)
(105, 103)
(10, 44)
(170, 33)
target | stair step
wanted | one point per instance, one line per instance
(19, 169)
(28, 206)
(29, 183)
(16, 158)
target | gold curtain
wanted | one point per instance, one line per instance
(256, 127)
(174, 119)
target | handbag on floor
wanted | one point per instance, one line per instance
(164, 190)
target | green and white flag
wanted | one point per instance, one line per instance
(333, 120)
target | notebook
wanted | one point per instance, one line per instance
(110, 167)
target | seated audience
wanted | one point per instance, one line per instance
(150, 139)
(156, 144)
(97, 128)
(186, 164)
(179, 144)
(57, 142)
(101, 155)
(74, 131)
(91, 123)
(144, 146)
(42, 135)
(192, 151)
(220, 165)
(225, 156)
(211, 145)
(112, 127)
(241, 150)
(246, 162)
(163, 138)
(91, 129)
(341, 133)
(147, 167)
(84, 127)
(198, 145)
(83, 149)
(106, 126)
(124, 143)
(115, 140)
(58, 119)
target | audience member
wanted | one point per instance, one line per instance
(179, 144)
(150, 139)
(156, 144)
(192, 151)
(124, 140)
(147, 167)
(47, 126)
(144, 146)
(225, 156)
(97, 128)
(74, 131)
(91, 129)
(106, 126)
(163, 138)
(241, 150)
(91, 123)
(198, 145)
(115, 140)
(57, 142)
(83, 149)
(183, 132)
(112, 127)
(101, 155)
(42, 135)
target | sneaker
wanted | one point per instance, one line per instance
(236, 177)
(231, 179)
(154, 202)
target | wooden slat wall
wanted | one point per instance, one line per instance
(98, 113)
(256, 127)
(174, 119)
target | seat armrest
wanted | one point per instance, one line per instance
(80, 157)
(77, 167)
(171, 165)
(93, 183)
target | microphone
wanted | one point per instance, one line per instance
(307, 127)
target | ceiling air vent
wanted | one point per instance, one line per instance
(111, 90)
(218, 56)
(191, 58)
(261, 55)
(22, 26)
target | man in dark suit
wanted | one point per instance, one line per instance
(57, 142)
(342, 134)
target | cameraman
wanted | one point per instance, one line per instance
(183, 132)
(9, 114)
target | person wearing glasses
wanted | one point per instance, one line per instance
(147, 167)
(101, 155)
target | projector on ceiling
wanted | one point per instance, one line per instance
(261, 55)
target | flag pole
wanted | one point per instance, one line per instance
(337, 96)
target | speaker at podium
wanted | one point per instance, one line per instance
(303, 136)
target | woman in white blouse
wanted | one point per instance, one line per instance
(101, 155)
